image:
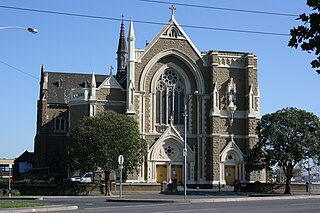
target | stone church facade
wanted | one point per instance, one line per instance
(176, 93)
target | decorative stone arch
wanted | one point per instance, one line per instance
(159, 152)
(232, 157)
(184, 58)
(179, 71)
(168, 150)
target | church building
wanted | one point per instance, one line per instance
(200, 105)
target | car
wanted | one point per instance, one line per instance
(75, 179)
(86, 178)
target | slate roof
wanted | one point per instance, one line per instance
(60, 85)
(26, 156)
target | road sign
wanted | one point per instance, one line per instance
(120, 159)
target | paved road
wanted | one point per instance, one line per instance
(98, 205)
(230, 207)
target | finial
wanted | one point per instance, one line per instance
(231, 137)
(110, 69)
(171, 120)
(42, 68)
(172, 8)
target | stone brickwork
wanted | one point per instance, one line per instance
(77, 112)
(222, 115)
(111, 94)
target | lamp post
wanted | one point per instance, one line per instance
(29, 29)
(185, 149)
(9, 184)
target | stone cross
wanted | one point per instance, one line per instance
(172, 8)
(110, 69)
(231, 137)
(171, 120)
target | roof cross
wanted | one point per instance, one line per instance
(171, 120)
(231, 137)
(110, 69)
(172, 8)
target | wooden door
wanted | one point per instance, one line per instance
(230, 175)
(176, 173)
(161, 173)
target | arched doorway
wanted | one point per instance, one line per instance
(231, 164)
(165, 160)
(230, 175)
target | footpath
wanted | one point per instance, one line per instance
(195, 196)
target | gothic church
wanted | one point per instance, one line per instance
(176, 93)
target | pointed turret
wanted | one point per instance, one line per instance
(93, 87)
(43, 82)
(131, 70)
(131, 36)
(92, 98)
(122, 52)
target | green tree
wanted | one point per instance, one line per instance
(286, 138)
(308, 34)
(96, 142)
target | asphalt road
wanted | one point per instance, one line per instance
(98, 205)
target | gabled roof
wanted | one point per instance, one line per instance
(171, 132)
(26, 156)
(60, 85)
(164, 33)
(110, 82)
(231, 146)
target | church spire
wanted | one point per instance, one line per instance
(122, 51)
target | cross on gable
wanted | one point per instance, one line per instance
(172, 8)
(231, 137)
(110, 69)
(171, 120)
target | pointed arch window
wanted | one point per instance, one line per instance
(173, 32)
(60, 123)
(170, 91)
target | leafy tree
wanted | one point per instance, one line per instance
(286, 137)
(298, 170)
(96, 142)
(308, 34)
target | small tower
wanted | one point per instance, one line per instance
(131, 70)
(121, 53)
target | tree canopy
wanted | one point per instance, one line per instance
(308, 34)
(96, 142)
(286, 137)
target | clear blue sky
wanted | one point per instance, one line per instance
(86, 45)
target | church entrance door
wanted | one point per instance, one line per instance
(176, 173)
(230, 175)
(161, 173)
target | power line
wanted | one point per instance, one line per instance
(60, 13)
(142, 22)
(19, 70)
(221, 8)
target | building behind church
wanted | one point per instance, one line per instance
(168, 81)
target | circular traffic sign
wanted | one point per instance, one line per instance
(120, 159)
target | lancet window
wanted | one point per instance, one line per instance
(170, 91)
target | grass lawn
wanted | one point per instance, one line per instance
(18, 204)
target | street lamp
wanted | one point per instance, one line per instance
(185, 150)
(31, 30)
(9, 184)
